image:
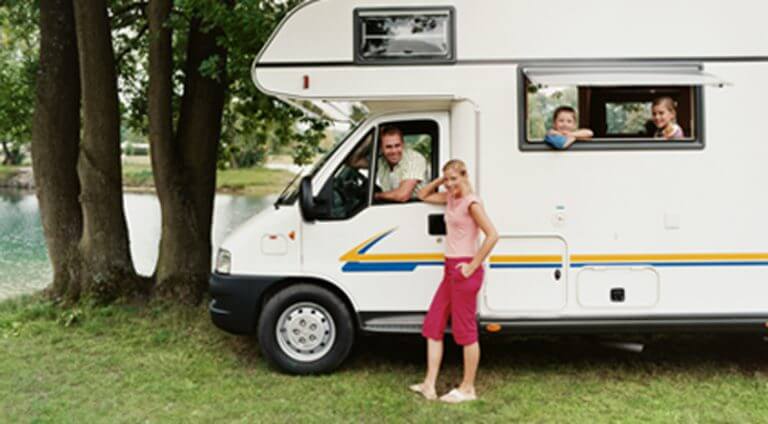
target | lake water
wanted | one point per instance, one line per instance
(24, 265)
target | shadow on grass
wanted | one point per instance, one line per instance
(747, 352)
(674, 353)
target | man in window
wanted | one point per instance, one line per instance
(401, 171)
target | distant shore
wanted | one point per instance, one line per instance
(257, 181)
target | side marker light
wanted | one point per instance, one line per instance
(493, 328)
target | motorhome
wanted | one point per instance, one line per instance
(626, 231)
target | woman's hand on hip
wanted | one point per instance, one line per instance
(466, 269)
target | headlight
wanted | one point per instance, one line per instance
(223, 261)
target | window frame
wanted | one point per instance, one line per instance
(416, 60)
(434, 161)
(697, 143)
(326, 192)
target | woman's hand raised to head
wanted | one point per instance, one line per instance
(429, 192)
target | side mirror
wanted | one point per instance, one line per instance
(306, 199)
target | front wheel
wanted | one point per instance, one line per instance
(305, 329)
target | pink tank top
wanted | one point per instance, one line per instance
(461, 228)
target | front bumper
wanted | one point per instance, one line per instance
(236, 301)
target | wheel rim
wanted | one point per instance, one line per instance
(305, 331)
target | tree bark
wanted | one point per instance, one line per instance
(55, 138)
(185, 166)
(108, 271)
(160, 94)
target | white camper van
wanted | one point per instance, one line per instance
(622, 232)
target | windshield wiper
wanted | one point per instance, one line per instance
(281, 197)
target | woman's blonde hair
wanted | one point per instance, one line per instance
(461, 168)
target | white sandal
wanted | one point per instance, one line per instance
(419, 388)
(457, 396)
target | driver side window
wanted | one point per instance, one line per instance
(407, 152)
(349, 186)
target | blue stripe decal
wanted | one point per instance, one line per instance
(654, 264)
(411, 266)
(673, 264)
(385, 266)
(526, 266)
(372, 243)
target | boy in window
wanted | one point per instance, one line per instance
(564, 131)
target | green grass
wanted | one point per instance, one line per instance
(7, 172)
(251, 181)
(138, 176)
(137, 363)
(255, 181)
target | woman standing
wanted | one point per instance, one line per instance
(457, 295)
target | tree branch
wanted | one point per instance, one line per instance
(129, 8)
(127, 16)
(131, 44)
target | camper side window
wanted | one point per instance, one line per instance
(404, 35)
(611, 117)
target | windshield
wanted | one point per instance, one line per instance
(291, 191)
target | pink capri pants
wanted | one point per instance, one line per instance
(456, 297)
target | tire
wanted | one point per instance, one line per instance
(305, 329)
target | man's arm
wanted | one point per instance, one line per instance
(400, 194)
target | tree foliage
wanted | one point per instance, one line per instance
(541, 105)
(254, 124)
(18, 65)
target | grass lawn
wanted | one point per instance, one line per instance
(7, 172)
(137, 176)
(169, 364)
(251, 181)
(254, 181)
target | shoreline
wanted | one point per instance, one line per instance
(22, 179)
(151, 190)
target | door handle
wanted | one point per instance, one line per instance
(436, 224)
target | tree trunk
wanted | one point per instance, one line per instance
(185, 167)
(108, 271)
(55, 138)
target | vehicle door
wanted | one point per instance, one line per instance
(380, 253)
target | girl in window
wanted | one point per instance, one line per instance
(664, 114)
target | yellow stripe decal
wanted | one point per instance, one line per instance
(356, 255)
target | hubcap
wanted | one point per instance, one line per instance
(305, 331)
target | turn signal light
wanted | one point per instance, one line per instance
(493, 328)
